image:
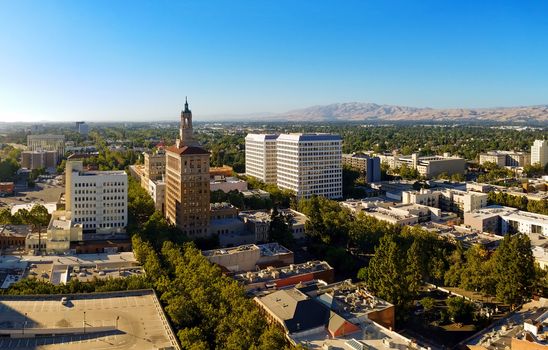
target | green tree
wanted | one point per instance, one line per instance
(279, 229)
(385, 271)
(514, 269)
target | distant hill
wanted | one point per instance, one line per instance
(357, 111)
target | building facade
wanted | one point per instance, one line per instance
(539, 152)
(310, 164)
(47, 142)
(187, 182)
(96, 199)
(506, 158)
(260, 157)
(155, 165)
(38, 159)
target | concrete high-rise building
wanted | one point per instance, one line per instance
(260, 157)
(539, 152)
(310, 164)
(96, 199)
(187, 182)
(47, 142)
(82, 128)
(307, 164)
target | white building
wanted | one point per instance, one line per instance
(447, 199)
(307, 164)
(503, 220)
(310, 164)
(96, 199)
(260, 157)
(539, 152)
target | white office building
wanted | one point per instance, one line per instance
(96, 199)
(260, 157)
(539, 152)
(307, 164)
(310, 164)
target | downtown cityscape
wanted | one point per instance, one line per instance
(255, 206)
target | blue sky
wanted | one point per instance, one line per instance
(136, 60)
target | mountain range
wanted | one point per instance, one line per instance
(358, 111)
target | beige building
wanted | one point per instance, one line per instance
(155, 165)
(260, 157)
(249, 256)
(506, 158)
(427, 166)
(187, 182)
(47, 142)
(448, 200)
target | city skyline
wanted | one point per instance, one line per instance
(137, 61)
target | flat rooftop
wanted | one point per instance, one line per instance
(232, 250)
(271, 273)
(370, 336)
(141, 322)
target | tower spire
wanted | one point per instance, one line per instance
(185, 130)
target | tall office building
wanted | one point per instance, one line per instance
(187, 182)
(47, 142)
(260, 157)
(82, 128)
(96, 199)
(310, 164)
(539, 152)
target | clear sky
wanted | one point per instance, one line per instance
(136, 60)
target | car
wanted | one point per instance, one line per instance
(102, 273)
(64, 301)
(82, 274)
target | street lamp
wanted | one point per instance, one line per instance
(117, 318)
(84, 322)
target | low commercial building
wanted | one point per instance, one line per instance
(506, 158)
(427, 166)
(273, 278)
(13, 236)
(334, 316)
(250, 257)
(503, 220)
(446, 199)
(227, 184)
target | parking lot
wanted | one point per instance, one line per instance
(135, 318)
